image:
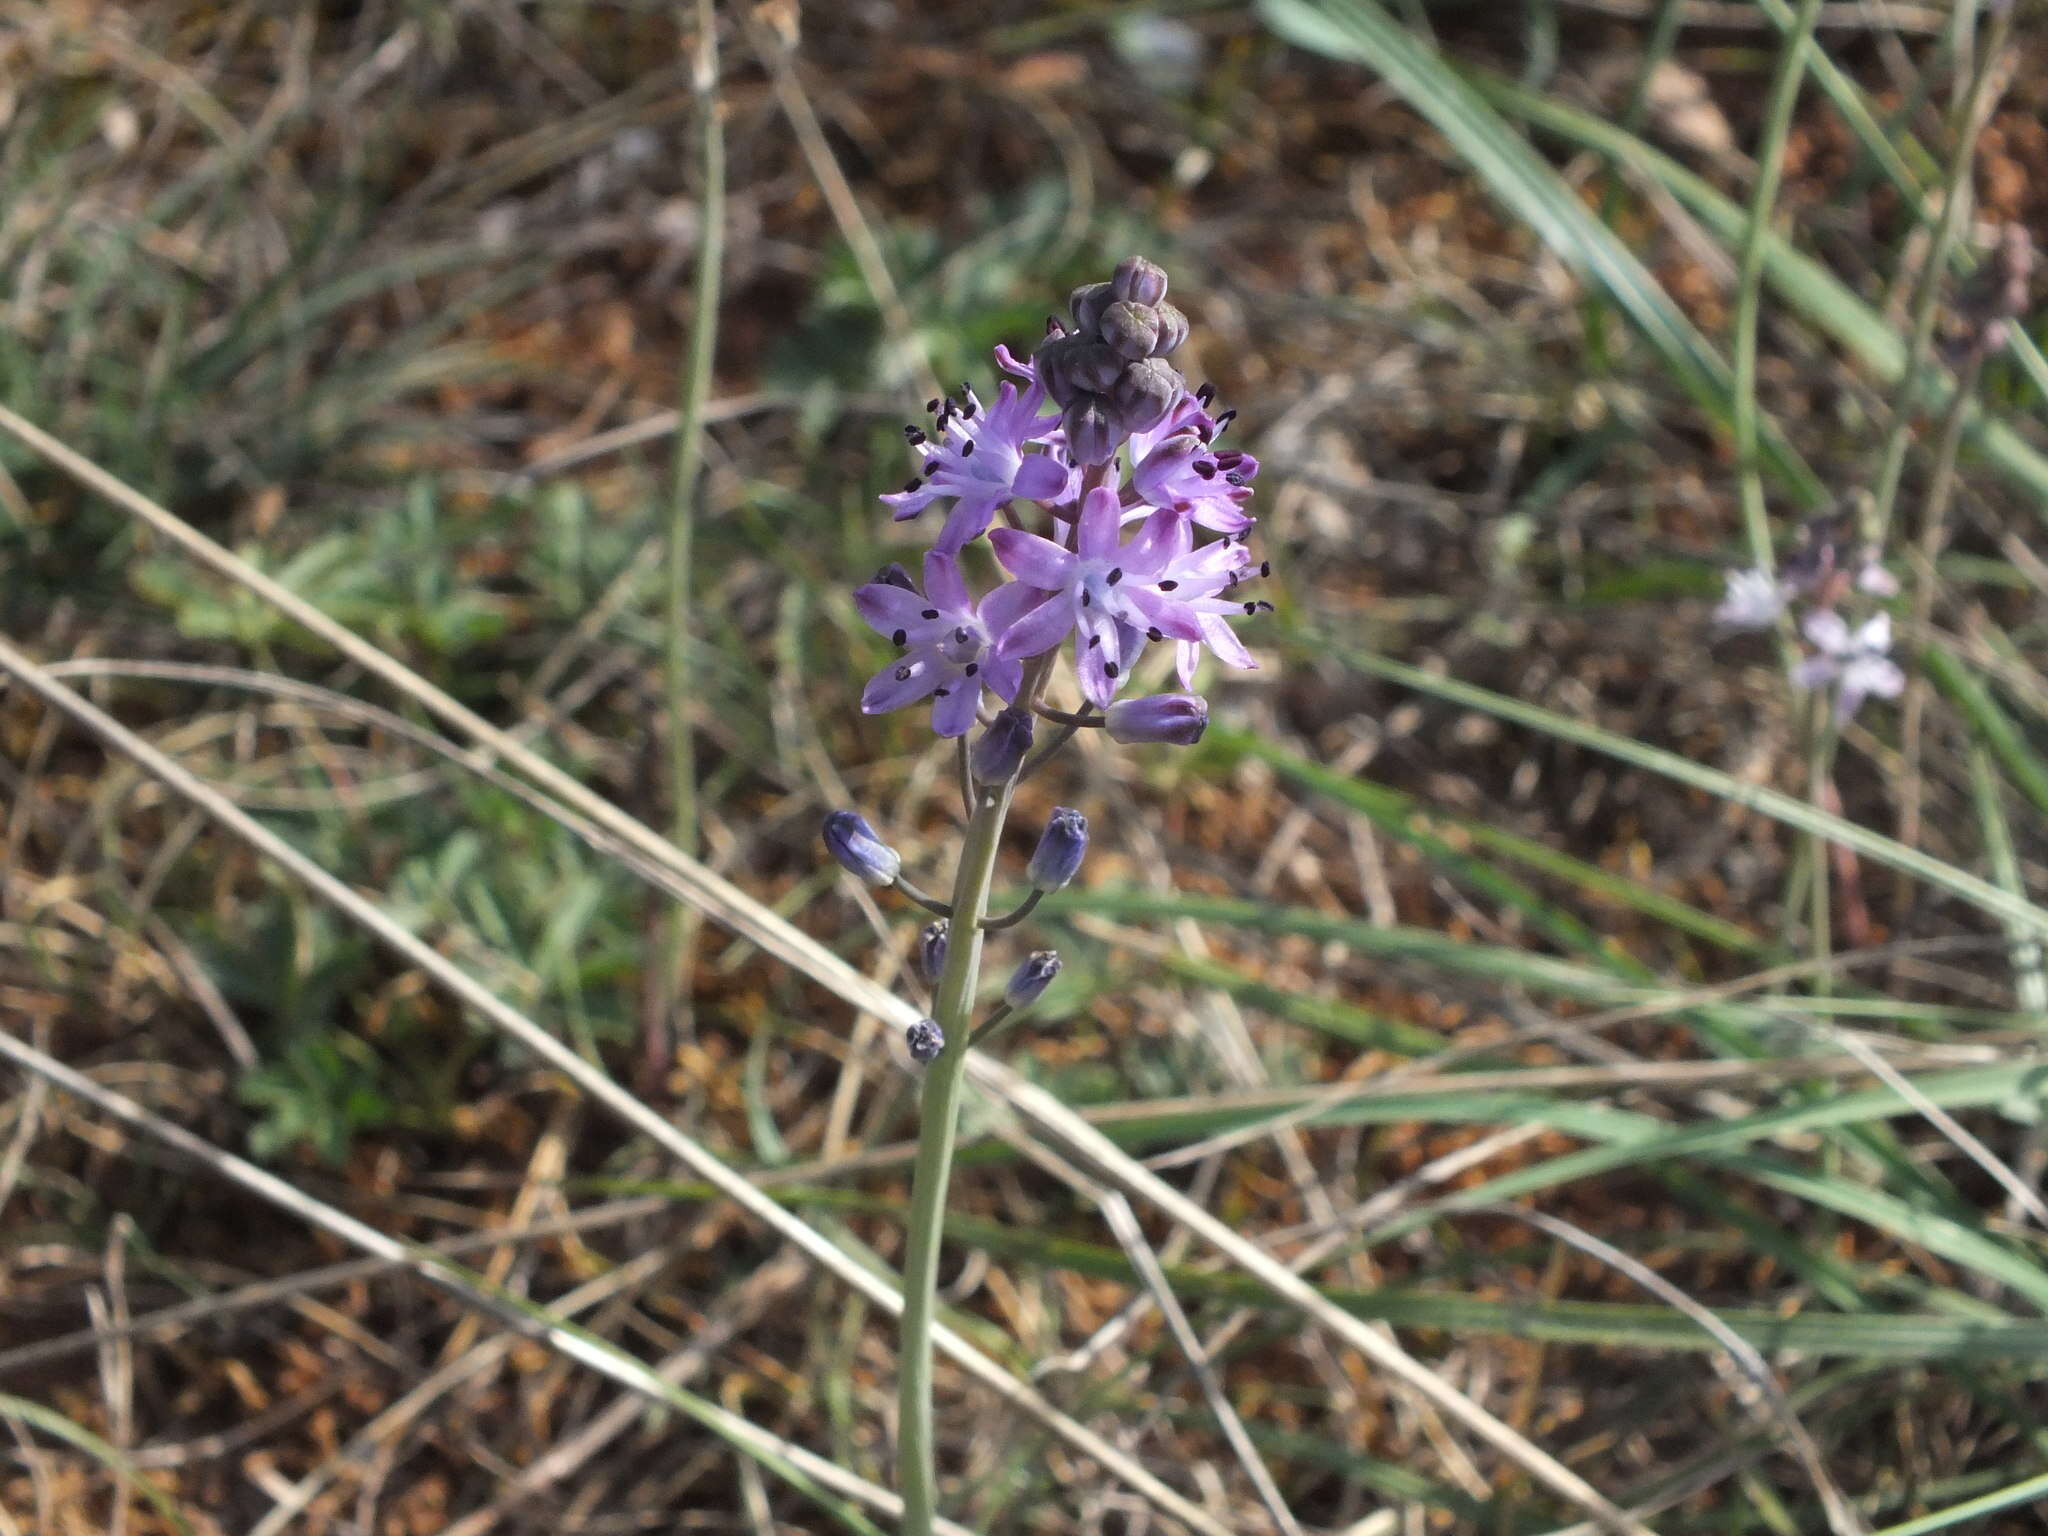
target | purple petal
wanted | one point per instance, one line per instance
(969, 518)
(1039, 630)
(1007, 604)
(944, 586)
(1037, 562)
(1094, 661)
(1814, 672)
(1165, 537)
(902, 682)
(1101, 522)
(1165, 614)
(1222, 639)
(889, 608)
(953, 715)
(1003, 674)
(907, 504)
(1041, 477)
(1827, 630)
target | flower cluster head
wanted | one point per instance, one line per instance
(1825, 567)
(1100, 435)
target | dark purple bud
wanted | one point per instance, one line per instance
(1094, 367)
(893, 575)
(1177, 719)
(1173, 329)
(1061, 847)
(1031, 978)
(1091, 435)
(1145, 393)
(1139, 280)
(1130, 329)
(925, 1040)
(1000, 751)
(1087, 303)
(854, 844)
(931, 949)
(1054, 362)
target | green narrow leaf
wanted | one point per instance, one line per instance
(1361, 32)
(111, 1456)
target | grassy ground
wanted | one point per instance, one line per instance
(1516, 956)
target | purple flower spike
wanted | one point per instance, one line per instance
(1859, 664)
(977, 455)
(1183, 474)
(949, 644)
(1114, 596)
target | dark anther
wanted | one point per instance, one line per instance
(1109, 669)
(1155, 633)
(967, 448)
(1251, 607)
(1225, 420)
(911, 484)
(1116, 575)
(1265, 567)
(963, 634)
(1086, 601)
(930, 613)
(903, 674)
(942, 693)
(1206, 395)
(931, 467)
(1094, 641)
(1205, 469)
(931, 404)
(1168, 586)
(913, 435)
(971, 668)
(1234, 478)
(901, 637)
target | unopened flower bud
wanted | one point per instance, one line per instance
(1091, 435)
(1173, 329)
(925, 1040)
(1094, 366)
(1054, 362)
(1145, 393)
(1061, 847)
(1000, 751)
(893, 575)
(931, 949)
(854, 844)
(1088, 303)
(1130, 329)
(1031, 978)
(1139, 280)
(1175, 718)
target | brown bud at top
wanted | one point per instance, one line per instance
(1173, 329)
(1088, 302)
(1139, 280)
(1130, 329)
(1145, 393)
(1094, 367)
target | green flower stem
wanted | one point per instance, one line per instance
(940, 1116)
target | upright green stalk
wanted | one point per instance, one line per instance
(939, 1120)
(1770, 166)
(687, 487)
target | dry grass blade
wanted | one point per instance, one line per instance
(728, 905)
(429, 1267)
(586, 1077)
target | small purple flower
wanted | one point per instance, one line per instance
(1858, 663)
(1115, 596)
(931, 948)
(1184, 474)
(1061, 848)
(977, 455)
(1177, 719)
(859, 850)
(1032, 976)
(1754, 600)
(925, 1041)
(948, 643)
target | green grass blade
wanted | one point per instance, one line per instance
(1800, 282)
(1399, 813)
(58, 1427)
(1988, 1504)
(1991, 725)
(1769, 802)
(1361, 32)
